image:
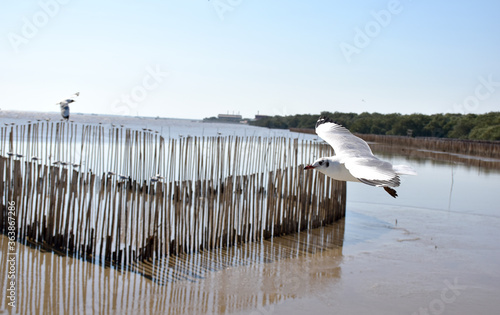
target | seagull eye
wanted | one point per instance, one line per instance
(320, 162)
(327, 163)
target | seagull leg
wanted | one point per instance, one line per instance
(391, 191)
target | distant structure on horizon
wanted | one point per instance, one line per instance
(225, 118)
(232, 118)
(229, 117)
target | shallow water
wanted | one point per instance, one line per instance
(440, 186)
(433, 250)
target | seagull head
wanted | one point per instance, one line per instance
(319, 164)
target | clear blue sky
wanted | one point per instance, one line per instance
(198, 58)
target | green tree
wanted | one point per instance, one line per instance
(471, 126)
(485, 133)
(463, 127)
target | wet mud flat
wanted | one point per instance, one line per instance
(382, 259)
(186, 284)
(429, 262)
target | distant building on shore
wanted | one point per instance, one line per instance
(228, 117)
(225, 118)
(232, 118)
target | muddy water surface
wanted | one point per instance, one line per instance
(434, 250)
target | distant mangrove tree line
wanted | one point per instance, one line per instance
(469, 126)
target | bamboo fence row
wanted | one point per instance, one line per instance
(482, 148)
(120, 195)
(488, 149)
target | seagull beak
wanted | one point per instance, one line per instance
(309, 167)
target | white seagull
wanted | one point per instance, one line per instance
(354, 161)
(65, 105)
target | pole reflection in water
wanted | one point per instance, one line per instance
(244, 277)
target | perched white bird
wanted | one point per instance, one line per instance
(354, 161)
(65, 105)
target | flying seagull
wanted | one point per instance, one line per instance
(354, 161)
(65, 105)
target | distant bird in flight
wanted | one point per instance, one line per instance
(65, 105)
(354, 161)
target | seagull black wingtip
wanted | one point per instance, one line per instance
(391, 191)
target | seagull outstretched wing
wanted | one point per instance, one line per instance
(343, 142)
(356, 155)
